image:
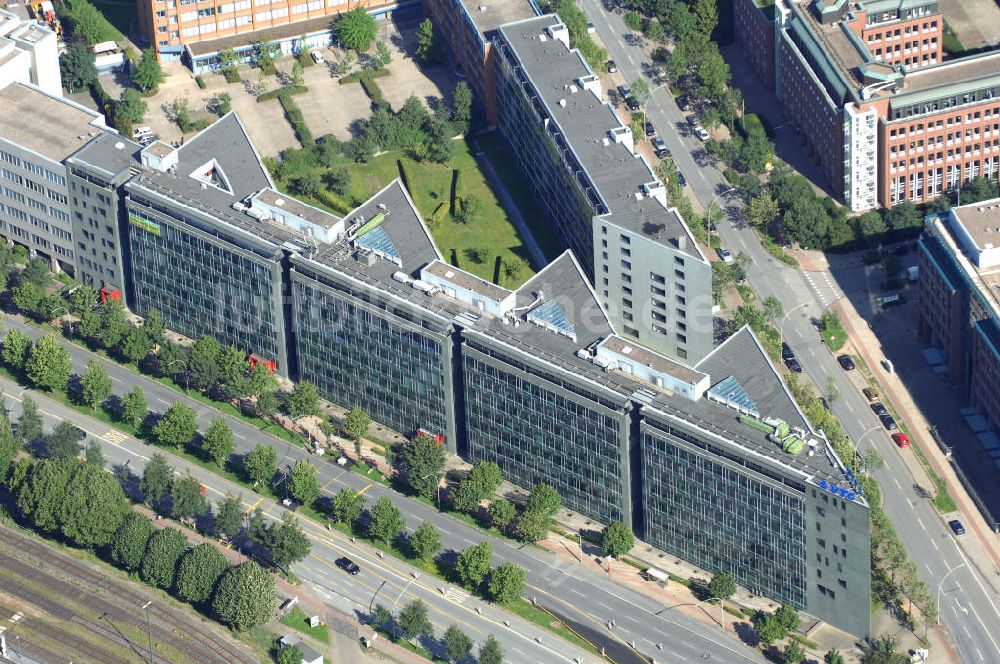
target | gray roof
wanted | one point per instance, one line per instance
(490, 14)
(109, 153)
(50, 126)
(298, 208)
(585, 121)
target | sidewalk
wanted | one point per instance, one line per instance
(986, 557)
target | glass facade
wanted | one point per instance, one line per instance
(357, 357)
(721, 518)
(539, 432)
(205, 287)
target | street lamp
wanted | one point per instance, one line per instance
(781, 325)
(708, 211)
(437, 489)
(149, 632)
(372, 603)
(940, 584)
(415, 575)
(187, 378)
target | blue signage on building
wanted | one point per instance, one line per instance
(843, 492)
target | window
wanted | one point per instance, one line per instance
(657, 278)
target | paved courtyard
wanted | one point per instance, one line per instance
(976, 22)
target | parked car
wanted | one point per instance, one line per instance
(793, 364)
(870, 393)
(825, 403)
(694, 120)
(725, 255)
(650, 130)
(683, 104)
(632, 103)
(786, 352)
(879, 409)
(612, 67)
(660, 147)
(317, 57)
(700, 132)
(846, 363)
(681, 180)
(887, 422)
(900, 439)
(624, 91)
(347, 565)
(957, 527)
(591, 28)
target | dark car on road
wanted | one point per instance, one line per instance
(682, 103)
(624, 91)
(660, 148)
(786, 352)
(793, 364)
(347, 565)
(632, 103)
(650, 130)
(846, 363)
(887, 422)
(612, 67)
(957, 527)
(879, 409)
(681, 180)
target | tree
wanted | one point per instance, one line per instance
(64, 441)
(346, 63)
(870, 225)
(461, 107)
(76, 66)
(833, 656)
(440, 148)
(37, 273)
(457, 643)
(424, 460)
(425, 543)
(346, 506)
(304, 483)
(157, 479)
(413, 620)
(533, 525)
(381, 615)
(722, 585)
(267, 403)
(385, 521)
(233, 368)
(16, 347)
(198, 572)
(130, 108)
(617, 539)
(172, 360)
(261, 464)
(485, 477)
(114, 324)
(356, 424)
(27, 298)
(383, 56)
(769, 630)
(787, 617)
(473, 564)
(159, 563)
(188, 500)
(9, 446)
(83, 299)
(229, 60)
(177, 427)
(883, 651)
(245, 597)
(289, 655)
(466, 497)
(49, 364)
(428, 49)
(501, 513)
(153, 326)
(229, 517)
(133, 408)
(42, 492)
(29, 425)
(757, 150)
(148, 73)
(793, 653)
(93, 507)
(505, 584)
(95, 385)
(355, 29)
(217, 442)
(303, 401)
(19, 474)
(135, 345)
(491, 652)
(296, 73)
(807, 222)
(265, 53)
(903, 215)
(203, 361)
(129, 542)
(287, 542)
(544, 499)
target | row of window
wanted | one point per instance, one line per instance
(34, 168)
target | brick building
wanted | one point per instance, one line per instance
(867, 88)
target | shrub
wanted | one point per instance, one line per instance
(232, 75)
(200, 81)
(287, 90)
(304, 59)
(372, 90)
(294, 116)
(362, 74)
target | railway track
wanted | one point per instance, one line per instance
(117, 602)
(73, 646)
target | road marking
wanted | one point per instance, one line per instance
(849, 407)
(606, 606)
(254, 506)
(240, 436)
(967, 632)
(116, 436)
(163, 401)
(934, 544)
(116, 379)
(576, 592)
(456, 595)
(922, 526)
(446, 532)
(898, 485)
(370, 485)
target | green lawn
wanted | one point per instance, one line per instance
(119, 15)
(299, 621)
(430, 186)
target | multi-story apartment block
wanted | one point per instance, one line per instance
(866, 86)
(38, 133)
(469, 31)
(603, 198)
(959, 311)
(28, 54)
(175, 28)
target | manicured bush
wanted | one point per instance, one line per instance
(294, 116)
(372, 90)
(232, 75)
(287, 90)
(363, 74)
(200, 81)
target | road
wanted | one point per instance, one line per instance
(582, 592)
(968, 605)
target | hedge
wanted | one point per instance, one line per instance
(287, 90)
(305, 59)
(373, 91)
(362, 75)
(439, 213)
(294, 116)
(456, 190)
(200, 81)
(232, 75)
(332, 201)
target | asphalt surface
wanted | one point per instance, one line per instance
(575, 587)
(968, 606)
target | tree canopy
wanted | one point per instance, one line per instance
(356, 29)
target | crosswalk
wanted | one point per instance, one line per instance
(823, 286)
(456, 595)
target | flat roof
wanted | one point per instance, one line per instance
(275, 33)
(50, 126)
(981, 221)
(587, 121)
(298, 208)
(488, 15)
(653, 360)
(110, 153)
(466, 280)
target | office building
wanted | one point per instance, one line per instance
(468, 30)
(38, 133)
(959, 312)
(603, 199)
(28, 54)
(174, 26)
(887, 117)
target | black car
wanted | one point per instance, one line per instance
(887, 422)
(879, 409)
(624, 91)
(846, 363)
(347, 565)
(650, 131)
(612, 67)
(660, 148)
(632, 103)
(793, 364)
(786, 352)
(825, 403)
(680, 176)
(682, 103)
(957, 527)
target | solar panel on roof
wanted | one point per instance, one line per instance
(730, 392)
(552, 316)
(378, 241)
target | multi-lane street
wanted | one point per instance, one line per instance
(968, 605)
(581, 593)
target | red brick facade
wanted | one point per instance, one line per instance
(755, 36)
